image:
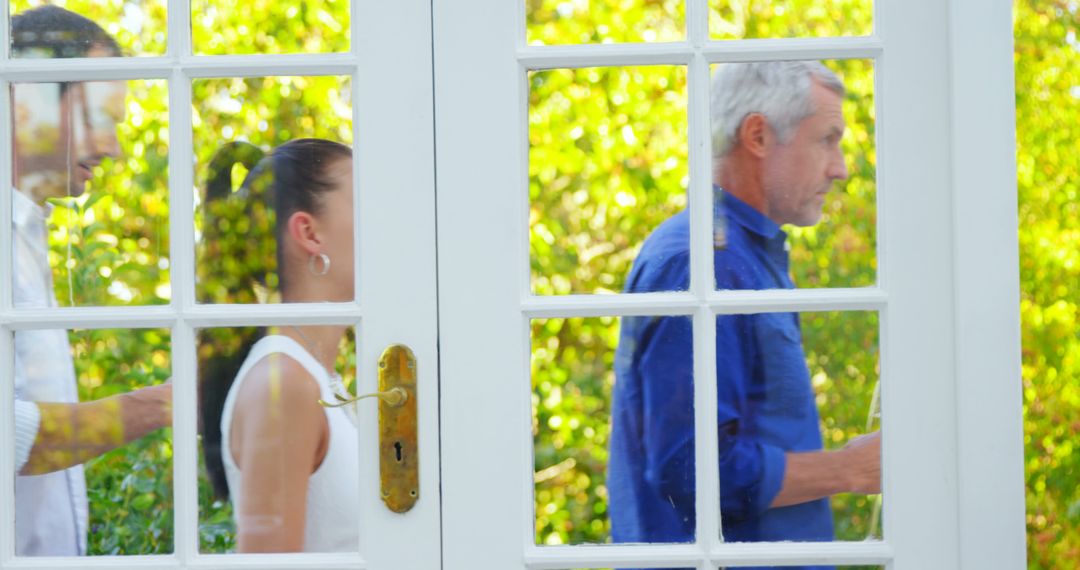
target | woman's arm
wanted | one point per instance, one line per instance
(279, 436)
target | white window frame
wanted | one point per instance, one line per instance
(395, 296)
(947, 288)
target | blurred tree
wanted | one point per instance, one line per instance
(1048, 136)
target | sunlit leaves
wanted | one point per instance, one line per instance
(607, 163)
(736, 19)
(603, 21)
(138, 25)
(1048, 164)
(269, 26)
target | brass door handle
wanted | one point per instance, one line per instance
(399, 460)
(393, 397)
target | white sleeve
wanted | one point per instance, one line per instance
(27, 420)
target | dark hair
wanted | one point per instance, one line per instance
(239, 256)
(57, 33)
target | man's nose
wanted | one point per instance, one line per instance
(838, 167)
(106, 143)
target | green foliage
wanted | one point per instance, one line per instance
(130, 488)
(1048, 136)
(221, 27)
(572, 378)
(607, 163)
(138, 25)
(734, 19)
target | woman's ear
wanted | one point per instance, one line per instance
(303, 229)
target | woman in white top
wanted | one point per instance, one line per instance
(288, 464)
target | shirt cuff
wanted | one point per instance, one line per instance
(27, 421)
(774, 464)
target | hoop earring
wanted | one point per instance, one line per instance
(325, 259)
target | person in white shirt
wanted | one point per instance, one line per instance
(54, 433)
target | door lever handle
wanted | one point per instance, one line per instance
(394, 397)
(399, 458)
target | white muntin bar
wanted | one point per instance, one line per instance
(681, 53)
(303, 561)
(185, 443)
(110, 68)
(720, 302)
(7, 353)
(797, 300)
(604, 55)
(697, 22)
(89, 317)
(7, 447)
(621, 305)
(527, 453)
(731, 554)
(522, 195)
(200, 316)
(796, 553)
(6, 254)
(6, 131)
(139, 562)
(613, 556)
(702, 282)
(179, 28)
(861, 47)
(291, 561)
(181, 275)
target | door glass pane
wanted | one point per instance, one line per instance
(278, 470)
(230, 27)
(554, 22)
(798, 394)
(607, 165)
(795, 166)
(746, 19)
(87, 28)
(613, 430)
(255, 161)
(91, 197)
(93, 442)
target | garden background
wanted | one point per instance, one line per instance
(608, 164)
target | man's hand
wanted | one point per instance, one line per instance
(73, 433)
(862, 462)
(815, 474)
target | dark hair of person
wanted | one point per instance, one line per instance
(239, 261)
(53, 32)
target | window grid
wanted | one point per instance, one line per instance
(183, 316)
(702, 301)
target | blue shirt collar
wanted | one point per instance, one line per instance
(746, 216)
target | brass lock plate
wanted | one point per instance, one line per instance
(399, 461)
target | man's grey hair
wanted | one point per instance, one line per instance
(780, 90)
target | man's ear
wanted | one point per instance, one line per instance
(754, 134)
(303, 229)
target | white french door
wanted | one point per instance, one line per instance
(441, 95)
(947, 344)
(384, 104)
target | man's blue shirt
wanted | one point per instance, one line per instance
(766, 405)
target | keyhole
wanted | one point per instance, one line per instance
(397, 450)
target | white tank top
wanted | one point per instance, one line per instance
(332, 522)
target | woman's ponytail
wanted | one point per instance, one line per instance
(232, 266)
